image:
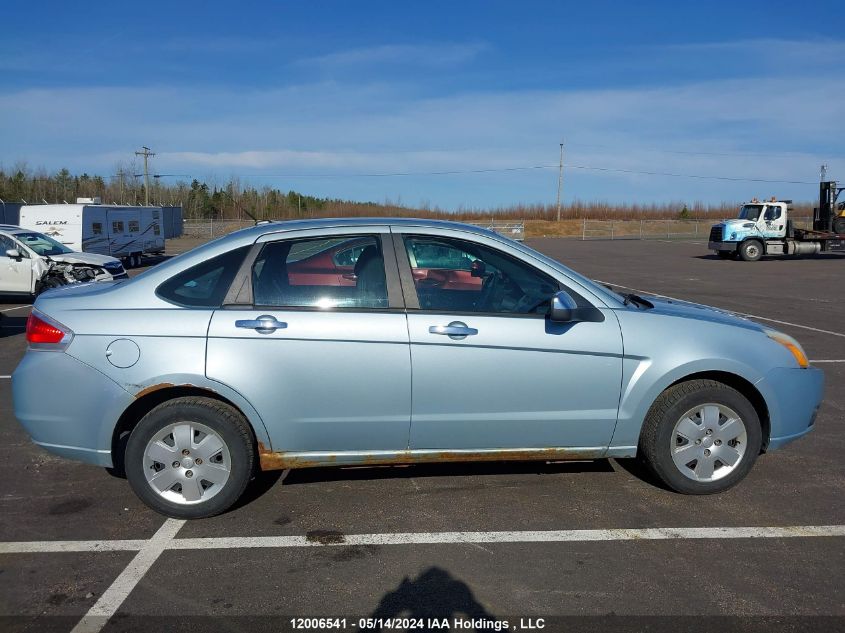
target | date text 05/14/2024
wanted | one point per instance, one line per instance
(410, 624)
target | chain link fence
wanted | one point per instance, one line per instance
(657, 229)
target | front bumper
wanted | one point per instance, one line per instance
(793, 396)
(721, 246)
(66, 406)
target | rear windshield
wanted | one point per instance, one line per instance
(205, 284)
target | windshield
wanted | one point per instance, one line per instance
(42, 244)
(750, 212)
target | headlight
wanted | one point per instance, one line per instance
(791, 344)
(733, 236)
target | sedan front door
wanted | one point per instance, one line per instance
(490, 370)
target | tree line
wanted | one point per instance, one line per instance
(234, 201)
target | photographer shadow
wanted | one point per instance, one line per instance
(432, 597)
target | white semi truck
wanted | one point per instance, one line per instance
(765, 228)
(125, 232)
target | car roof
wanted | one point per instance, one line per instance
(318, 223)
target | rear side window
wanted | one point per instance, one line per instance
(304, 273)
(97, 228)
(204, 285)
(117, 226)
(134, 226)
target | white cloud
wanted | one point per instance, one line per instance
(334, 129)
(441, 54)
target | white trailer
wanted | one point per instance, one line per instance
(125, 232)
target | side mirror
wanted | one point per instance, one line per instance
(563, 308)
(13, 253)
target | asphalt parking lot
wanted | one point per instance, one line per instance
(579, 545)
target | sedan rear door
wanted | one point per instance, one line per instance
(326, 365)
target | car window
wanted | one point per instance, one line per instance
(347, 257)
(204, 285)
(6, 243)
(772, 212)
(303, 273)
(461, 276)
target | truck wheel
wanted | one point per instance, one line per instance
(725, 254)
(190, 458)
(839, 225)
(700, 437)
(751, 251)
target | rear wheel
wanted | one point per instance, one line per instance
(190, 458)
(751, 250)
(700, 437)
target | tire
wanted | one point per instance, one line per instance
(725, 254)
(751, 250)
(839, 226)
(160, 454)
(677, 448)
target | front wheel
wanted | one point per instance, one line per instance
(751, 251)
(190, 458)
(700, 437)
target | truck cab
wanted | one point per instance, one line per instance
(747, 234)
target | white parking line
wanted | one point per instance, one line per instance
(113, 597)
(15, 308)
(6, 377)
(165, 539)
(751, 316)
(40, 547)
(828, 361)
(548, 536)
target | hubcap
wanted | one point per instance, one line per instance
(187, 463)
(752, 251)
(708, 442)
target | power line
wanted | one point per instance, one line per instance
(698, 176)
(701, 153)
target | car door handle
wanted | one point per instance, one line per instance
(455, 329)
(265, 324)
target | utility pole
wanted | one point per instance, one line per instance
(146, 154)
(559, 181)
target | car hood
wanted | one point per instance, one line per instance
(93, 259)
(689, 310)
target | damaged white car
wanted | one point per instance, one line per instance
(31, 262)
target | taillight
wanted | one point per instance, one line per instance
(42, 332)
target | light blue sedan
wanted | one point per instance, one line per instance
(387, 341)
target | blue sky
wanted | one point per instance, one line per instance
(314, 96)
